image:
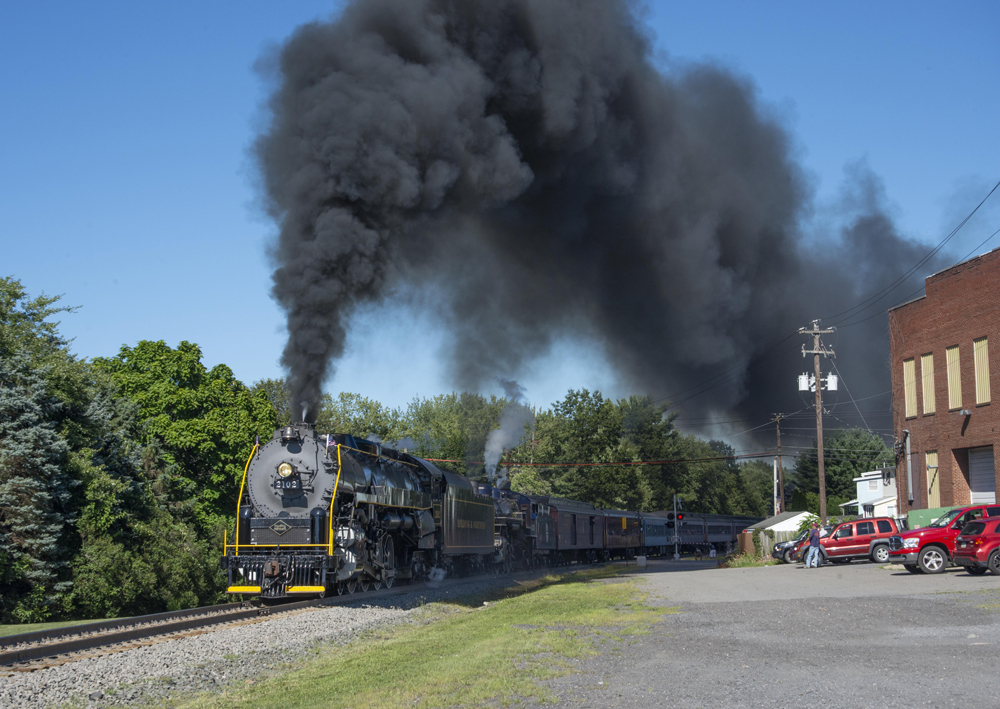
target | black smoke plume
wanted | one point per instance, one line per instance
(527, 162)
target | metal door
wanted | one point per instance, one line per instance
(933, 481)
(982, 476)
(863, 537)
(839, 543)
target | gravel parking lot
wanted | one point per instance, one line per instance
(855, 635)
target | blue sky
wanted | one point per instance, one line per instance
(126, 182)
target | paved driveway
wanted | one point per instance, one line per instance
(852, 635)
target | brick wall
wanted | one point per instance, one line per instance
(961, 304)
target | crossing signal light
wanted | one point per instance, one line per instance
(680, 516)
(670, 520)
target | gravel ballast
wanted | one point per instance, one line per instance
(214, 660)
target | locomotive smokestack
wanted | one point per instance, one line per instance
(527, 161)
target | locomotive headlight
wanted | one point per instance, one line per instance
(285, 469)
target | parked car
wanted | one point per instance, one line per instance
(931, 549)
(782, 551)
(798, 553)
(859, 539)
(977, 547)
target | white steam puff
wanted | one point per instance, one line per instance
(513, 420)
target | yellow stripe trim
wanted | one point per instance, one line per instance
(333, 499)
(305, 589)
(243, 589)
(239, 500)
(259, 546)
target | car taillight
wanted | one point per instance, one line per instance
(977, 541)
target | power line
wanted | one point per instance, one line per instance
(907, 298)
(756, 360)
(895, 284)
(766, 454)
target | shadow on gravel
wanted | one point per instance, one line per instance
(497, 588)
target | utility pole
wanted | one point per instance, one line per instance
(781, 471)
(677, 550)
(817, 350)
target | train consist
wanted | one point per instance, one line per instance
(325, 514)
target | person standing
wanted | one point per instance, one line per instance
(812, 556)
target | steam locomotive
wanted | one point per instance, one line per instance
(332, 513)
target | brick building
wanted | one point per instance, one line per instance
(942, 377)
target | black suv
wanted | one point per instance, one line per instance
(782, 551)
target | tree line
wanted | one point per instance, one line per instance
(119, 474)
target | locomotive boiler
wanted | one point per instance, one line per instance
(334, 514)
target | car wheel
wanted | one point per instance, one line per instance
(788, 557)
(976, 570)
(880, 554)
(912, 568)
(994, 563)
(932, 560)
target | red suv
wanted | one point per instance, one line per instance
(860, 539)
(930, 549)
(977, 548)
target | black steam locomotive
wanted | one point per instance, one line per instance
(333, 513)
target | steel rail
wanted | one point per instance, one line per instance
(26, 648)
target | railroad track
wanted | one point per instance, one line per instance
(47, 648)
(41, 649)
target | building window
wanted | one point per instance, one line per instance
(872, 485)
(980, 353)
(954, 378)
(909, 388)
(933, 483)
(927, 379)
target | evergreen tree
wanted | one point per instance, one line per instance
(846, 454)
(36, 494)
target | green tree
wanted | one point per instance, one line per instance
(36, 494)
(24, 323)
(205, 421)
(359, 416)
(451, 426)
(529, 481)
(758, 485)
(708, 484)
(586, 427)
(277, 393)
(846, 454)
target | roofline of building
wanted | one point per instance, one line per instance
(960, 263)
(940, 273)
(903, 305)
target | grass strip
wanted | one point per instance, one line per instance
(6, 630)
(467, 655)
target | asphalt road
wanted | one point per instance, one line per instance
(852, 635)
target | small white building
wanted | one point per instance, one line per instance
(875, 497)
(784, 523)
(780, 528)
